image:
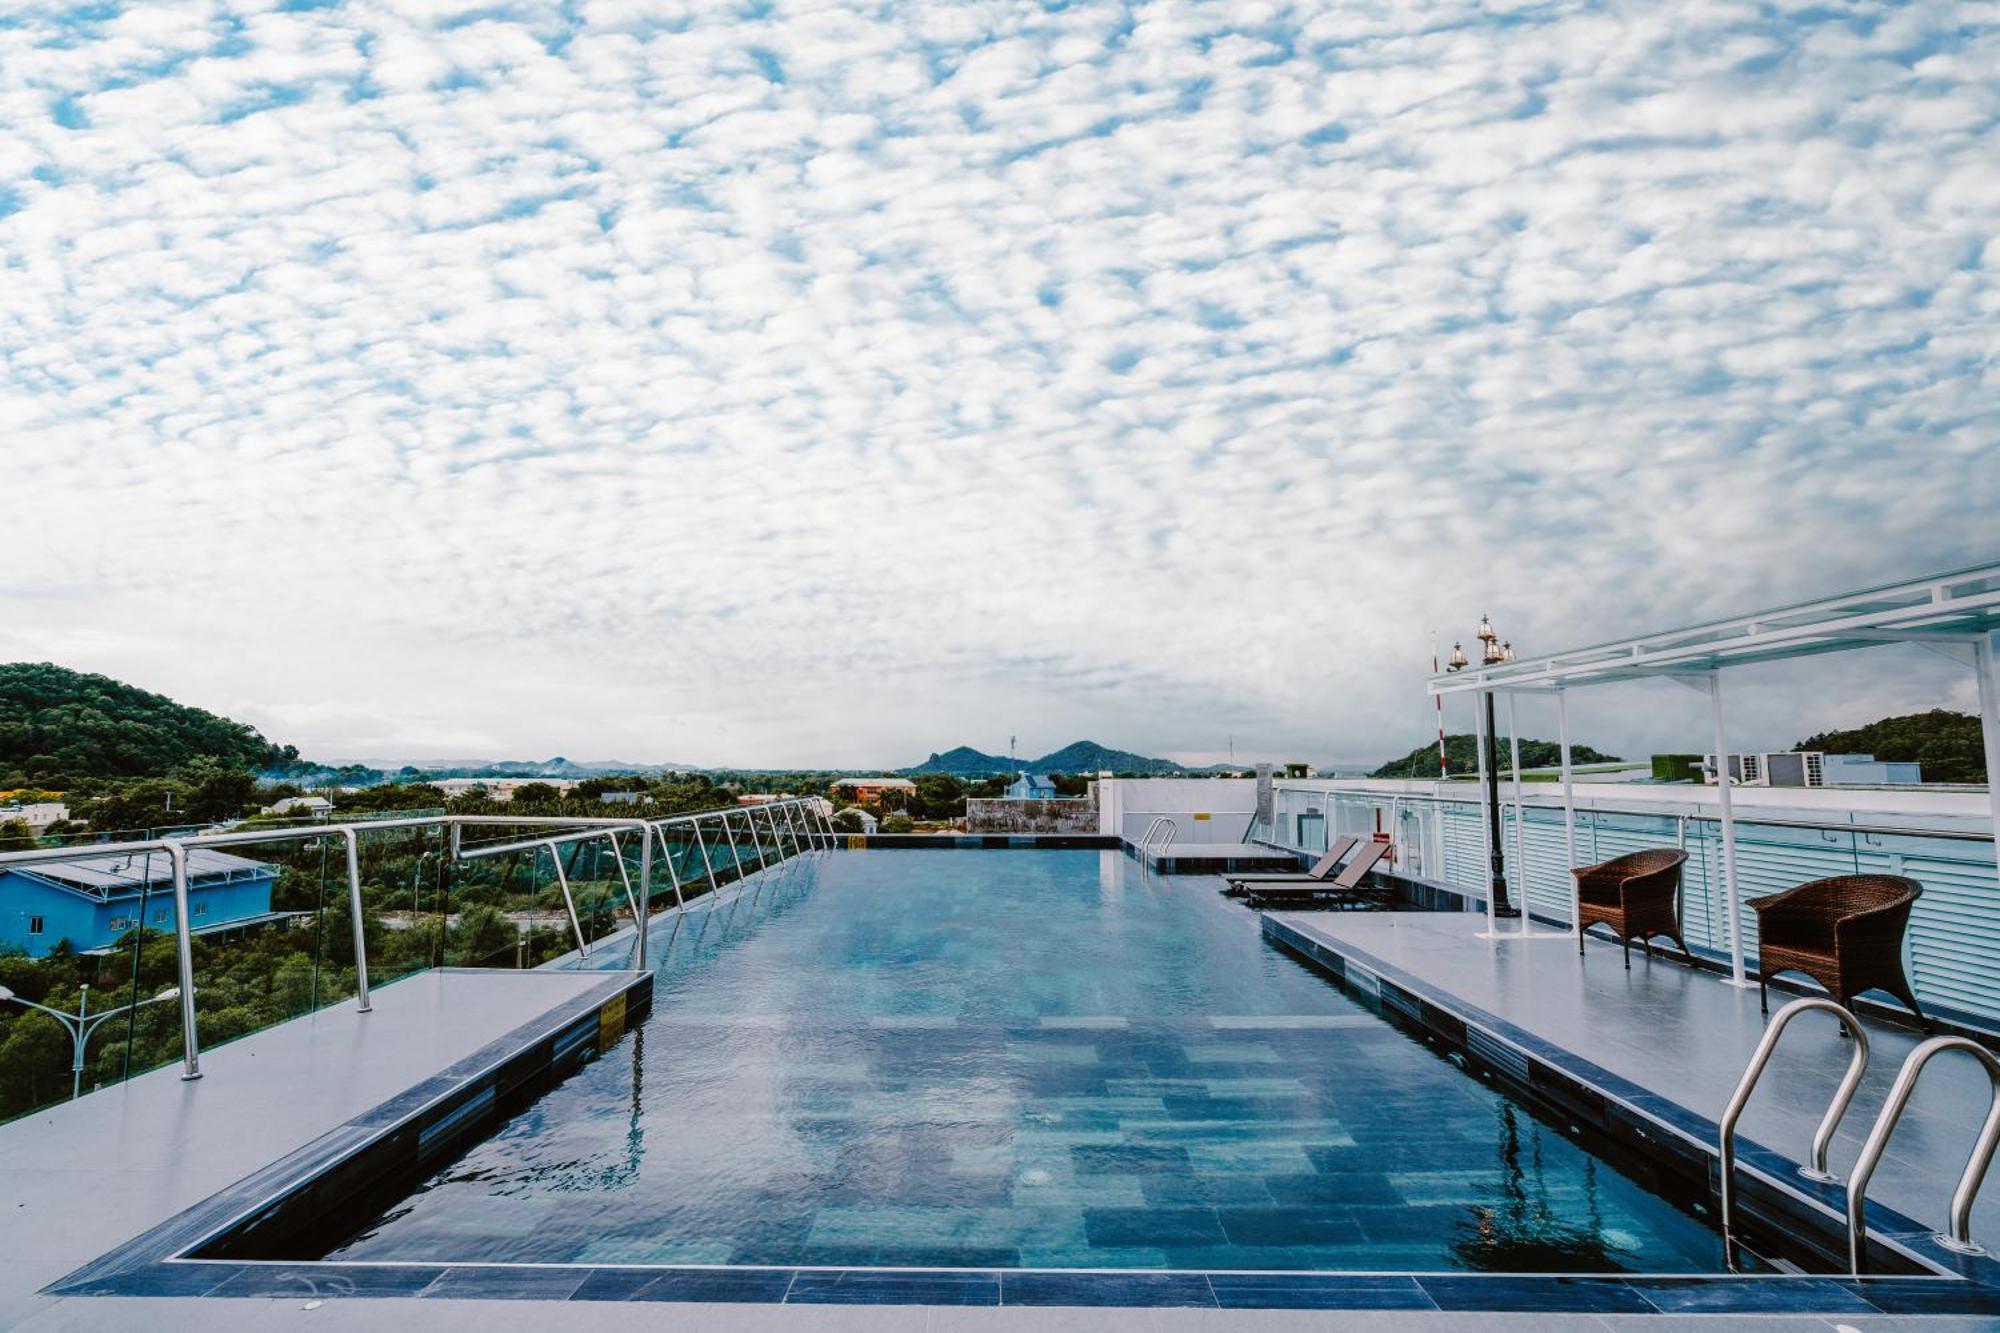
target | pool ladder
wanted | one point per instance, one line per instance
(1958, 1234)
(1166, 828)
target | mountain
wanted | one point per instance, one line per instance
(962, 762)
(1462, 750)
(59, 726)
(1947, 744)
(1074, 758)
(1090, 757)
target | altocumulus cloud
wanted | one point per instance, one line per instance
(816, 382)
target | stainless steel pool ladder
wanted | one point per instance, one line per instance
(1957, 1236)
(1822, 1139)
(1164, 825)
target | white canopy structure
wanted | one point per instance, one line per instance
(1956, 614)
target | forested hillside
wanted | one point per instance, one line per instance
(1947, 744)
(1462, 752)
(59, 727)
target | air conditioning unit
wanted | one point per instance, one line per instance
(1795, 768)
(1745, 770)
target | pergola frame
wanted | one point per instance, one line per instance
(1956, 614)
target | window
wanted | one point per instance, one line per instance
(160, 914)
(201, 909)
(35, 925)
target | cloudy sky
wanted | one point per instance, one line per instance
(827, 383)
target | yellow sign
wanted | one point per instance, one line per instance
(1201, 815)
(610, 1023)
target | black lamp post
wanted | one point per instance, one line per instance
(1493, 652)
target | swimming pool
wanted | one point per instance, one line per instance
(1008, 1059)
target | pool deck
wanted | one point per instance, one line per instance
(80, 1178)
(1686, 1035)
(1215, 858)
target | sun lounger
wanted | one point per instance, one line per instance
(1347, 884)
(1322, 868)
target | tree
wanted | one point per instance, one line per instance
(536, 793)
(1946, 743)
(1462, 751)
(847, 821)
(899, 824)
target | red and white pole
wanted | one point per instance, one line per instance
(1443, 771)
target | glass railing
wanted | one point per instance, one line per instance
(102, 993)
(1953, 945)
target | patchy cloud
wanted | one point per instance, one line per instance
(826, 383)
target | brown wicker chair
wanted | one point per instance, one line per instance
(1637, 895)
(1846, 933)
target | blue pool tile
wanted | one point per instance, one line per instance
(1551, 1294)
(1146, 1227)
(1290, 1226)
(157, 1280)
(529, 1283)
(1166, 1190)
(751, 1285)
(1317, 1291)
(1130, 1289)
(330, 1281)
(1773, 1295)
(1367, 1187)
(1099, 1158)
(1918, 1295)
(885, 1287)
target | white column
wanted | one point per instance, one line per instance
(1983, 661)
(1736, 969)
(1485, 826)
(1569, 805)
(1520, 875)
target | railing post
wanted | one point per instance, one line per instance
(353, 840)
(735, 855)
(555, 858)
(701, 845)
(184, 948)
(667, 860)
(645, 913)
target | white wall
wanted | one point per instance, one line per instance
(1127, 805)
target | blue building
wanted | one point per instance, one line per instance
(1032, 787)
(92, 903)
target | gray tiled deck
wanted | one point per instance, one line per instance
(79, 1178)
(1686, 1035)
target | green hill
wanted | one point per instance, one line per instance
(1947, 744)
(59, 727)
(1074, 758)
(1462, 753)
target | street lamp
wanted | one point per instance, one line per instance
(1493, 652)
(81, 1024)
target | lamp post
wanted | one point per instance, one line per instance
(82, 1023)
(1493, 652)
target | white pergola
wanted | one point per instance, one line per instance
(1956, 614)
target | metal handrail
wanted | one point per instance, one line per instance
(1822, 1139)
(582, 829)
(1957, 1237)
(1146, 838)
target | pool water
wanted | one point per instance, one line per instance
(1011, 1058)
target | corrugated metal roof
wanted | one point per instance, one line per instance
(108, 876)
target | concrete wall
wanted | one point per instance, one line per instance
(1070, 815)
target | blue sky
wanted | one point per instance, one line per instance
(827, 383)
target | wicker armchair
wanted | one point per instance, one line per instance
(1846, 933)
(1637, 895)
